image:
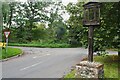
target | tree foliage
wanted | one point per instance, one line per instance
(20, 17)
(29, 21)
(105, 36)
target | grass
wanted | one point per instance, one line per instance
(42, 45)
(110, 66)
(10, 52)
(113, 49)
(71, 74)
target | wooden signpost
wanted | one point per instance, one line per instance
(91, 20)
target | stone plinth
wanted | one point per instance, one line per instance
(90, 70)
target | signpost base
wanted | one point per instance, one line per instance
(88, 69)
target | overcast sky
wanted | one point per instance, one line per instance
(65, 2)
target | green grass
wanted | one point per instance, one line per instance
(71, 74)
(42, 45)
(113, 49)
(10, 52)
(110, 66)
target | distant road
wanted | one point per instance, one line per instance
(43, 62)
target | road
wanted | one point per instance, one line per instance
(43, 62)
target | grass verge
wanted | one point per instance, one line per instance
(42, 45)
(10, 52)
(110, 66)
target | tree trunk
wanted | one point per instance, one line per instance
(119, 54)
(11, 15)
(1, 22)
(118, 61)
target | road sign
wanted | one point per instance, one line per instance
(6, 33)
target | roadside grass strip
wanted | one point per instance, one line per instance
(110, 66)
(41, 45)
(10, 52)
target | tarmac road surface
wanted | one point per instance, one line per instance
(43, 62)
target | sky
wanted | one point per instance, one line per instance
(65, 2)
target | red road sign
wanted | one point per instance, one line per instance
(6, 33)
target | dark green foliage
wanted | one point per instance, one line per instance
(105, 36)
(77, 34)
(108, 32)
(39, 33)
(60, 30)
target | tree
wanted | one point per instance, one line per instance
(39, 33)
(105, 36)
(1, 23)
(5, 13)
(25, 14)
(56, 21)
(77, 33)
(8, 11)
(112, 24)
(60, 30)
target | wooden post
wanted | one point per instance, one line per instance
(90, 43)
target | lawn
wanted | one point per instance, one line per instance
(110, 66)
(10, 52)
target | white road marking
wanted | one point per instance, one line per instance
(40, 56)
(47, 54)
(30, 66)
(35, 57)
